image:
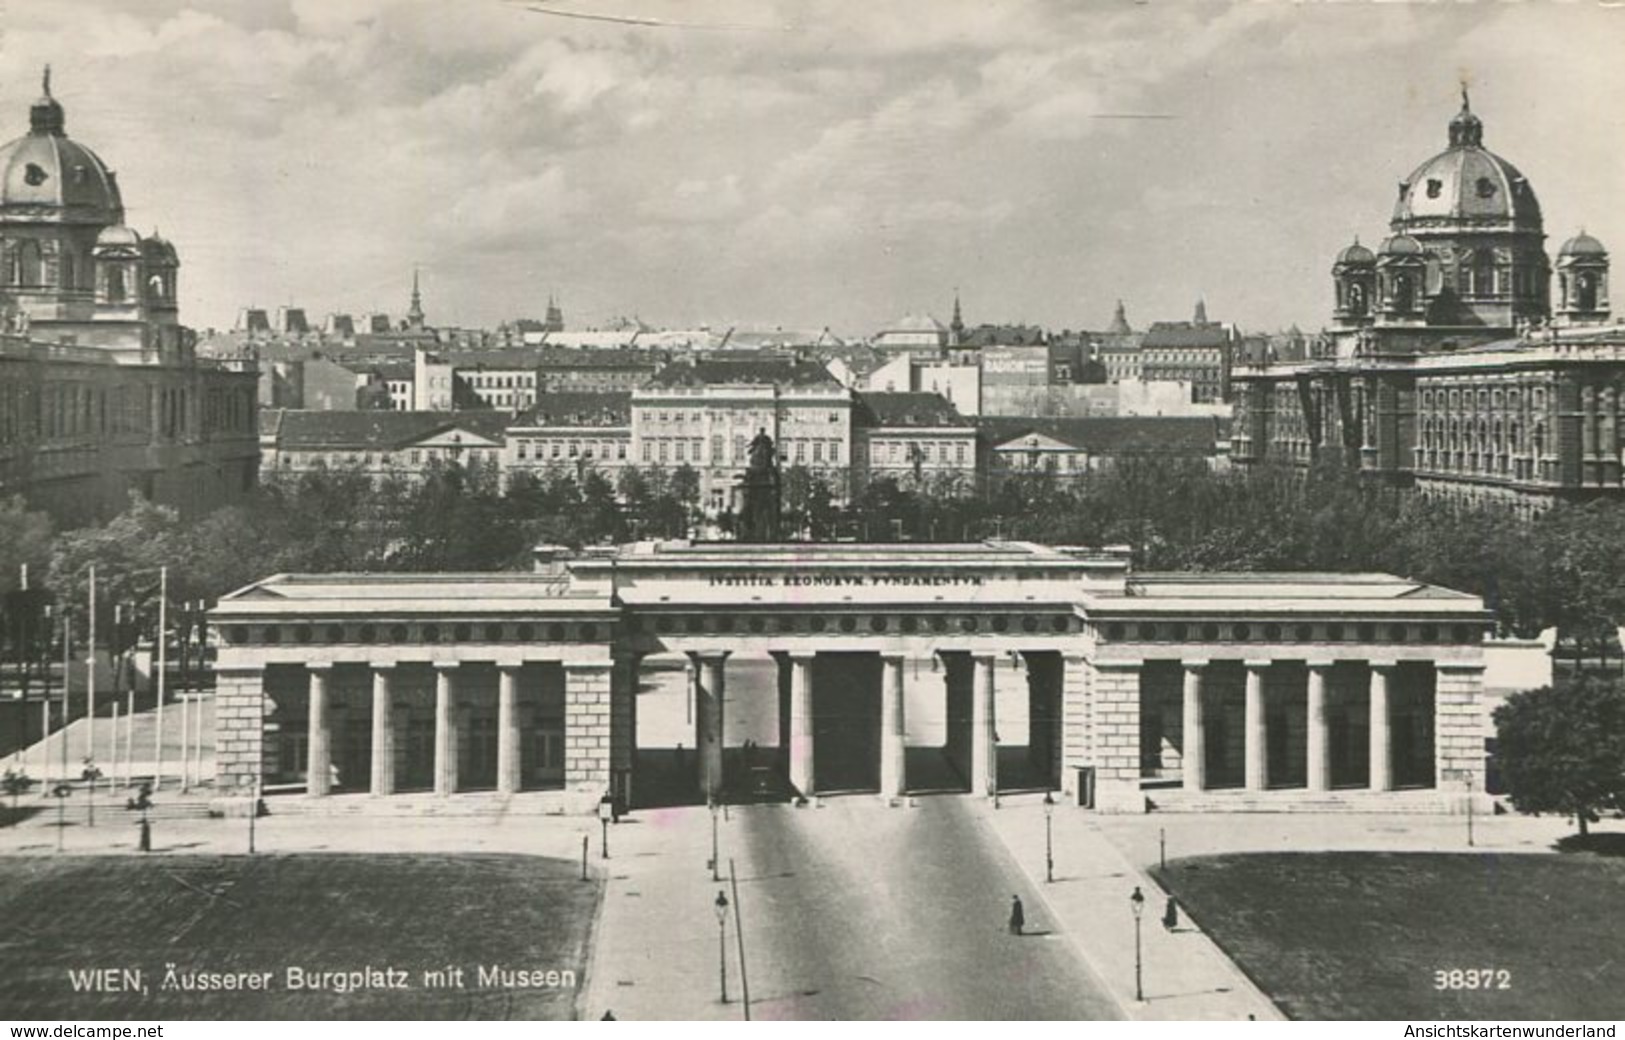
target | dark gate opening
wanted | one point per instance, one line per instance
(846, 722)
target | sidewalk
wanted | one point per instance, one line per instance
(655, 948)
(1185, 976)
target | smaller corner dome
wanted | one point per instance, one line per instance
(1401, 245)
(1582, 245)
(117, 235)
(1356, 254)
(158, 247)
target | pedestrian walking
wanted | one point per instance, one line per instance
(1018, 917)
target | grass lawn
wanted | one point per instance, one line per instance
(1359, 935)
(314, 912)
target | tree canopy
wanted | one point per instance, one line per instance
(1562, 750)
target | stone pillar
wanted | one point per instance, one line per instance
(709, 694)
(801, 723)
(1114, 734)
(1458, 723)
(1257, 733)
(1319, 763)
(383, 729)
(623, 720)
(1193, 756)
(984, 728)
(239, 728)
(1077, 727)
(893, 781)
(510, 777)
(589, 726)
(445, 727)
(1381, 746)
(319, 761)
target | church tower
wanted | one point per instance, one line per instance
(414, 313)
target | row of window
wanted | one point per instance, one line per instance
(926, 452)
(65, 410)
(572, 449)
(367, 460)
(1455, 399)
(493, 381)
(754, 420)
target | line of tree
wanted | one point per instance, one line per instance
(1559, 568)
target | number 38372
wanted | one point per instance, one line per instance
(1472, 978)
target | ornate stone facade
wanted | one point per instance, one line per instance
(1445, 367)
(101, 392)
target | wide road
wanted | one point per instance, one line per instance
(856, 911)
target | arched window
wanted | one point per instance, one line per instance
(1403, 294)
(1585, 296)
(27, 265)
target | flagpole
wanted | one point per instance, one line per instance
(163, 668)
(186, 736)
(112, 750)
(67, 663)
(90, 674)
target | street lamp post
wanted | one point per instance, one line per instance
(1137, 903)
(715, 875)
(90, 774)
(61, 792)
(721, 906)
(1049, 837)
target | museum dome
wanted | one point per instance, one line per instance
(1582, 245)
(1466, 185)
(1401, 245)
(45, 176)
(116, 236)
(1356, 254)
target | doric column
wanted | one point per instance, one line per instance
(509, 776)
(383, 728)
(319, 762)
(1257, 732)
(801, 723)
(708, 701)
(1319, 763)
(984, 765)
(893, 782)
(1193, 757)
(445, 727)
(1381, 748)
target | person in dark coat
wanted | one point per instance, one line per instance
(1018, 917)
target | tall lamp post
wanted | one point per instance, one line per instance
(1049, 837)
(721, 907)
(1137, 903)
(715, 868)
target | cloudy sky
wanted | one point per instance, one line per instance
(830, 163)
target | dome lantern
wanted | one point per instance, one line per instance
(46, 117)
(1466, 129)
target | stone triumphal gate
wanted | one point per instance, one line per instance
(824, 668)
